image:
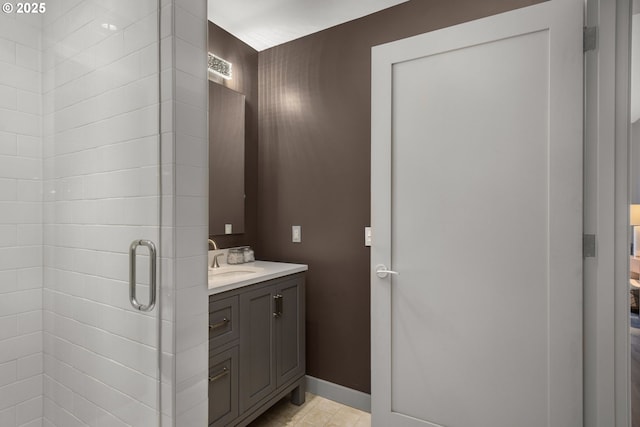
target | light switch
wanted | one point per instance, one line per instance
(228, 229)
(296, 234)
(367, 236)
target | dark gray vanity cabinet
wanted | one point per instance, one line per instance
(270, 345)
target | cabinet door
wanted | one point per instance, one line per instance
(223, 387)
(257, 350)
(290, 330)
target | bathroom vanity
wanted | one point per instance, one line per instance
(256, 339)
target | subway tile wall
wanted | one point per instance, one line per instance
(78, 182)
(21, 361)
(100, 168)
(190, 159)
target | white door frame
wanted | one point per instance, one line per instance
(606, 305)
(606, 323)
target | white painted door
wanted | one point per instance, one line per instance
(477, 205)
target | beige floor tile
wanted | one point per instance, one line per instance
(263, 421)
(308, 398)
(281, 422)
(328, 405)
(364, 421)
(352, 411)
(315, 412)
(345, 417)
(317, 417)
(297, 413)
(367, 416)
(298, 418)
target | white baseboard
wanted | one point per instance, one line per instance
(337, 393)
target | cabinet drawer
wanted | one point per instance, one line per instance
(223, 387)
(223, 321)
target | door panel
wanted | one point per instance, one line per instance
(476, 133)
(447, 317)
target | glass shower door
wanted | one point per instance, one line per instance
(100, 112)
(79, 182)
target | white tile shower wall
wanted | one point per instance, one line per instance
(100, 165)
(21, 361)
(189, 109)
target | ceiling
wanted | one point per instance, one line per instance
(266, 23)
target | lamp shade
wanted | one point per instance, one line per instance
(634, 215)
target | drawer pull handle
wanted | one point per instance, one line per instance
(219, 375)
(220, 324)
(278, 308)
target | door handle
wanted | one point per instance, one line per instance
(152, 275)
(382, 271)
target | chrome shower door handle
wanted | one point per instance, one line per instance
(152, 275)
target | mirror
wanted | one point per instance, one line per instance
(226, 160)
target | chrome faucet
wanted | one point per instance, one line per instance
(215, 257)
(215, 261)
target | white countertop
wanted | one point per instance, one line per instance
(267, 270)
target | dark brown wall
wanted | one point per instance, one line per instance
(314, 170)
(245, 80)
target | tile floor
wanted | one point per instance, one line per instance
(316, 412)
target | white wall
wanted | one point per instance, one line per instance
(20, 222)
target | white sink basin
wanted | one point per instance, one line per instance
(239, 271)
